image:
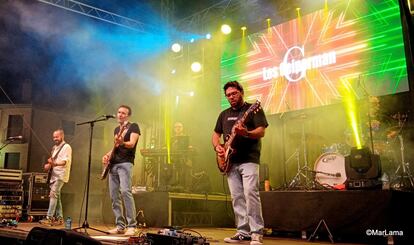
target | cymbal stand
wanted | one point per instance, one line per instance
(296, 179)
(405, 172)
(301, 172)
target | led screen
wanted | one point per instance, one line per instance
(306, 62)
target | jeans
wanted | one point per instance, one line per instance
(243, 180)
(120, 185)
(55, 201)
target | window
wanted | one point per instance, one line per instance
(15, 126)
(12, 160)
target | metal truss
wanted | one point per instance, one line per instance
(97, 13)
(199, 19)
(227, 8)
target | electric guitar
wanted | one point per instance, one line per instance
(223, 163)
(107, 165)
(50, 162)
(49, 172)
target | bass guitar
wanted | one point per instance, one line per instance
(223, 163)
(107, 165)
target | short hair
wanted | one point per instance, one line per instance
(127, 107)
(60, 131)
(235, 85)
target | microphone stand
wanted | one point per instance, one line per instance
(5, 144)
(85, 224)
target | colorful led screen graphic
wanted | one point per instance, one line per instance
(306, 62)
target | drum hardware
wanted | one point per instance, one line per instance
(301, 173)
(405, 172)
(337, 175)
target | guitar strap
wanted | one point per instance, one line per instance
(57, 153)
(125, 131)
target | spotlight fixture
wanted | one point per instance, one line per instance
(176, 47)
(192, 40)
(208, 36)
(225, 29)
(196, 66)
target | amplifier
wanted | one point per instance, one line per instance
(11, 193)
(36, 193)
(10, 175)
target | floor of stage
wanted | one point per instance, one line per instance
(213, 235)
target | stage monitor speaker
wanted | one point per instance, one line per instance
(43, 236)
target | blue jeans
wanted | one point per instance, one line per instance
(55, 201)
(120, 185)
(243, 180)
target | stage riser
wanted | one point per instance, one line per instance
(188, 212)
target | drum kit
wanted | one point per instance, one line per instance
(329, 168)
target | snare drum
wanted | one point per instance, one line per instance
(330, 169)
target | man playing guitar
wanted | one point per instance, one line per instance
(58, 165)
(244, 157)
(121, 160)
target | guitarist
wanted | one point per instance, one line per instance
(58, 166)
(121, 160)
(243, 175)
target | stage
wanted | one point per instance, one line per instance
(288, 216)
(14, 236)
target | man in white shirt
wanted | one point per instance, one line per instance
(58, 166)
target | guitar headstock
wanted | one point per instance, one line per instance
(254, 107)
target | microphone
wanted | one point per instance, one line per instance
(15, 137)
(108, 116)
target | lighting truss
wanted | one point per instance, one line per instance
(227, 8)
(97, 13)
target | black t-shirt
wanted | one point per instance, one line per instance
(123, 154)
(246, 149)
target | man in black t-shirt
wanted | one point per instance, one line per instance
(243, 175)
(121, 158)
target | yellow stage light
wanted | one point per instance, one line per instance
(225, 29)
(196, 66)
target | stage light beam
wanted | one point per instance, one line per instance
(243, 28)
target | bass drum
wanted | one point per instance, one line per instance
(330, 169)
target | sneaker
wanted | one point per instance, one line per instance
(237, 238)
(130, 231)
(58, 221)
(257, 239)
(116, 230)
(46, 221)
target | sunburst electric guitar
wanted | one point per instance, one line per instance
(107, 165)
(223, 163)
